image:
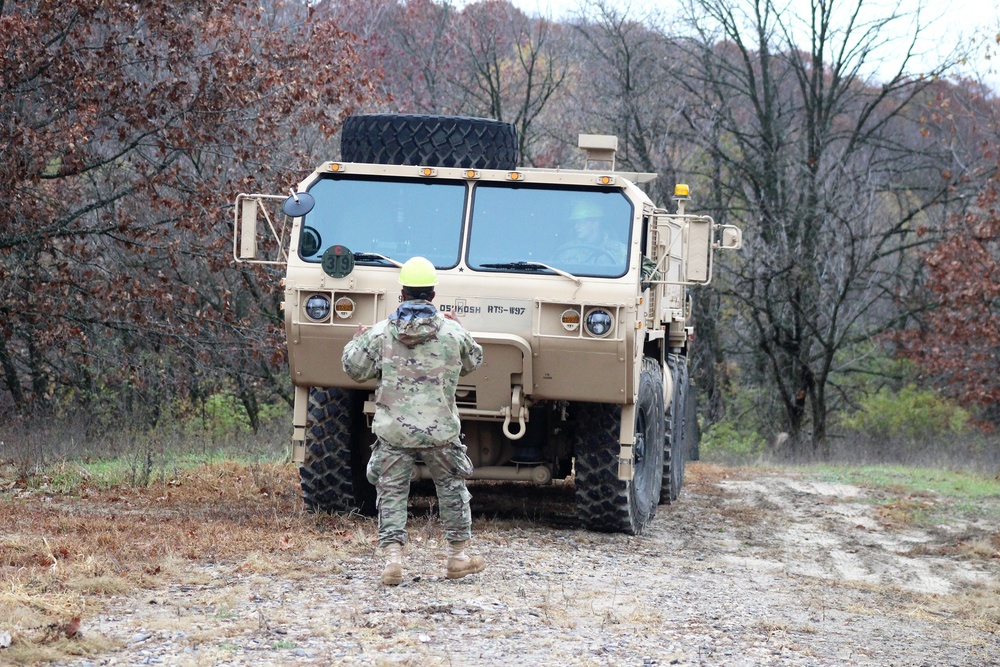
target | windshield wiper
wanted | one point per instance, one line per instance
(374, 257)
(532, 266)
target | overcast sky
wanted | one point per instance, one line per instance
(947, 21)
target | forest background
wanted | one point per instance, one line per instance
(861, 319)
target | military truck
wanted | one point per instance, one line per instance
(573, 281)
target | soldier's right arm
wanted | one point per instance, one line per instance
(362, 357)
(472, 353)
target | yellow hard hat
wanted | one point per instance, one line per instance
(418, 272)
(585, 210)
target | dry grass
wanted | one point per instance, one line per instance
(704, 477)
(706, 480)
(903, 511)
(971, 545)
(63, 556)
(975, 607)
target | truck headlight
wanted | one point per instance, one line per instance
(318, 307)
(599, 322)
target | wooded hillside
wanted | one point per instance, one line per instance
(867, 190)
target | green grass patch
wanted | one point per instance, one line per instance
(954, 484)
(134, 470)
(921, 496)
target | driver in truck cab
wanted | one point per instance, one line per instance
(417, 355)
(592, 242)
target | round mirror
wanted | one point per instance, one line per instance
(298, 204)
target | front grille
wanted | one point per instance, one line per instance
(465, 397)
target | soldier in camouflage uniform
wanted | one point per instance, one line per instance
(417, 355)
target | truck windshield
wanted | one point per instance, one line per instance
(582, 231)
(396, 218)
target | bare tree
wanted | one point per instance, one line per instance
(512, 67)
(488, 59)
(625, 88)
(413, 47)
(814, 148)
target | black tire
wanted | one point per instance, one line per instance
(675, 440)
(338, 446)
(431, 141)
(604, 502)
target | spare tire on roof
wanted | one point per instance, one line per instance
(432, 141)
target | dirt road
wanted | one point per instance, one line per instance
(761, 568)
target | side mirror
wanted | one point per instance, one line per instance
(732, 238)
(253, 215)
(298, 204)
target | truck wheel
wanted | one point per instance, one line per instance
(333, 473)
(431, 141)
(604, 502)
(675, 442)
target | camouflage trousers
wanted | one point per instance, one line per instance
(390, 469)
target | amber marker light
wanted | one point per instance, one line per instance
(344, 307)
(606, 180)
(515, 176)
(427, 171)
(336, 166)
(570, 319)
(471, 173)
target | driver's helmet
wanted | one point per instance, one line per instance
(585, 210)
(588, 220)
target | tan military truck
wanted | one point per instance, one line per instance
(551, 270)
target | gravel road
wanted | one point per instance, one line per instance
(748, 568)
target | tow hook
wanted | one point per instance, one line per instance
(515, 407)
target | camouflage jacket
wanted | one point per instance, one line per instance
(417, 356)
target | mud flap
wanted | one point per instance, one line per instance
(626, 458)
(300, 415)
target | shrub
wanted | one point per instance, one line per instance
(724, 440)
(222, 416)
(910, 413)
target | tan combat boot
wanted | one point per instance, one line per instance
(460, 564)
(392, 575)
